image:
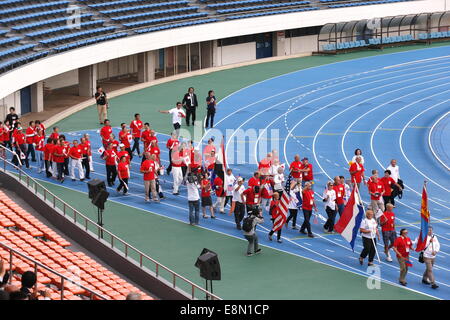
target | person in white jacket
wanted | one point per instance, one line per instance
(432, 248)
(296, 187)
(329, 199)
(229, 182)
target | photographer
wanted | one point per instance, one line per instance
(102, 104)
(249, 225)
(192, 184)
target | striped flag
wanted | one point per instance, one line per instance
(350, 220)
(282, 209)
(425, 219)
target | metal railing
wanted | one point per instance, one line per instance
(12, 252)
(128, 251)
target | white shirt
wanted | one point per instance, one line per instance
(230, 180)
(430, 247)
(237, 195)
(331, 194)
(192, 191)
(354, 158)
(175, 112)
(293, 199)
(278, 179)
(273, 170)
(395, 172)
(369, 225)
(348, 191)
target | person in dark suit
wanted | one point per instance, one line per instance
(190, 104)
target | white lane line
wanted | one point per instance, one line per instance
(400, 140)
(430, 145)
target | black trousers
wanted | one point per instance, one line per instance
(369, 248)
(228, 199)
(169, 167)
(210, 118)
(111, 174)
(136, 146)
(329, 225)
(278, 232)
(31, 151)
(48, 165)
(122, 185)
(293, 216)
(66, 166)
(239, 212)
(190, 111)
(86, 166)
(60, 169)
(389, 199)
(21, 149)
(306, 224)
(130, 153)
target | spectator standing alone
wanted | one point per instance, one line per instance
(211, 103)
(190, 103)
(102, 104)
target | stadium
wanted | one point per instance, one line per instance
(224, 150)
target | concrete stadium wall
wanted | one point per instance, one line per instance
(74, 59)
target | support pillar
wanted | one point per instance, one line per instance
(37, 97)
(146, 66)
(87, 80)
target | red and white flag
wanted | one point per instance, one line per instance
(282, 208)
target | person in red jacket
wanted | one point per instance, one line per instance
(307, 206)
(153, 149)
(58, 158)
(105, 133)
(124, 153)
(123, 170)
(388, 184)
(274, 208)
(296, 168)
(205, 185)
(125, 138)
(307, 172)
(20, 147)
(136, 127)
(86, 151)
(220, 193)
(110, 156)
(266, 193)
(252, 198)
(171, 144)
(376, 191)
(148, 168)
(387, 222)
(30, 133)
(48, 156)
(339, 188)
(357, 172)
(66, 154)
(114, 142)
(145, 135)
(265, 164)
(76, 158)
(255, 180)
(40, 126)
(402, 246)
(38, 141)
(55, 133)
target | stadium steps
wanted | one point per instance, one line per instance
(108, 21)
(24, 233)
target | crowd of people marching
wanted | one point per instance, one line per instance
(205, 176)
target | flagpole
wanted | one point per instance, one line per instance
(371, 233)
